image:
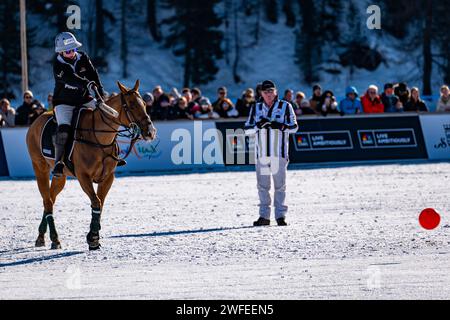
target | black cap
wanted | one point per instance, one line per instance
(266, 85)
(388, 86)
(317, 86)
(403, 86)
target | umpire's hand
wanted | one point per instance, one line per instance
(277, 126)
(263, 123)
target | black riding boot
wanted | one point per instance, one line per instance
(62, 135)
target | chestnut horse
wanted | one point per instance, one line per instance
(95, 157)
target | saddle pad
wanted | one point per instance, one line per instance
(48, 137)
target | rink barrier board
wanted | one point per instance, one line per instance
(338, 139)
(331, 139)
(152, 156)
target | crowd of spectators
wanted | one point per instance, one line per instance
(191, 104)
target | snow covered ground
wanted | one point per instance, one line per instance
(353, 233)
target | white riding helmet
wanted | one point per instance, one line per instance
(66, 41)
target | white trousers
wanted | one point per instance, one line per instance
(64, 112)
(268, 168)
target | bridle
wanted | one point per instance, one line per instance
(131, 131)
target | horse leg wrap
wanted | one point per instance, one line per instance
(95, 222)
(51, 225)
(43, 225)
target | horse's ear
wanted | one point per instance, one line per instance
(136, 86)
(122, 88)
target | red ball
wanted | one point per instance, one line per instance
(429, 219)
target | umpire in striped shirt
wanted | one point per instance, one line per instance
(272, 121)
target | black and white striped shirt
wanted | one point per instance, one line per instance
(272, 142)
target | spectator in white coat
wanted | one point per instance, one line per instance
(444, 101)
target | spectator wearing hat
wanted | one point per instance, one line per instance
(371, 101)
(246, 102)
(7, 114)
(402, 91)
(390, 101)
(415, 103)
(149, 100)
(316, 99)
(443, 104)
(272, 121)
(351, 104)
(29, 111)
(165, 110)
(204, 110)
(223, 106)
(182, 111)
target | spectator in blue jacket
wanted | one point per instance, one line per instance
(390, 101)
(351, 104)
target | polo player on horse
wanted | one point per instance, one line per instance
(74, 76)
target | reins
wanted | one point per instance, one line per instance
(131, 131)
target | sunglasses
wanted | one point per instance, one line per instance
(372, 92)
(269, 91)
(28, 97)
(70, 51)
(222, 93)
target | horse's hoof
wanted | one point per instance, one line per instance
(94, 248)
(40, 242)
(93, 241)
(56, 246)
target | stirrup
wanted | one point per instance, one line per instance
(121, 163)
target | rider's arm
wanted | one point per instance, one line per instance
(92, 75)
(66, 76)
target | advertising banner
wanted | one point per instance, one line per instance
(358, 138)
(436, 129)
(337, 139)
(180, 145)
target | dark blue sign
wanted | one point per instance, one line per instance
(3, 164)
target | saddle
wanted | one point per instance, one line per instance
(49, 135)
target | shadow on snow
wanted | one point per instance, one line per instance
(176, 233)
(40, 259)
